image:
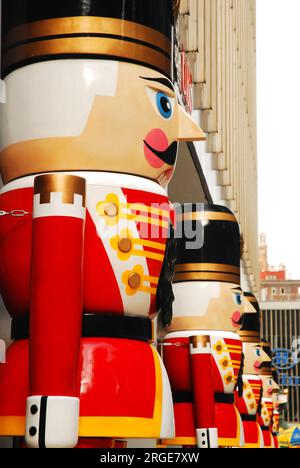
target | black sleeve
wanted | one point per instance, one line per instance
(165, 296)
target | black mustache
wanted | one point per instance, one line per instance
(168, 156)
(240, 321)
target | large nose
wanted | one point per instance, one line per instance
(248, 307)
(276, 388)
(265, 357)
(189, 130)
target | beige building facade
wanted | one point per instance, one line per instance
(219, 37)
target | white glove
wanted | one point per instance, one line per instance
(52, 422)
(207, 438)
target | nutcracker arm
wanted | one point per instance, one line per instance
(204, 398)
(55, 311)
(52, 422)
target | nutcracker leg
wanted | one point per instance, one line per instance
(204, 402)
(52, 414)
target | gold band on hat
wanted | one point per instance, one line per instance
(207, 216)
(86, 25)
(116, 38)
(249, 336)
(207, 276)
(210, 267)
(88, 46)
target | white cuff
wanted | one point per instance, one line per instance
(207, 438)
(52, 422)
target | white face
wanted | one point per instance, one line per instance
(207, 306)
(270, 386)
(255, 356)
(92, 115)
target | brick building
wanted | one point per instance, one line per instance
(275, 284)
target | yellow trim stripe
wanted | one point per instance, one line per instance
(252, 446)
(146, 209)
(12, 426)
(144, 219)
(147, 254)
(146, 289)
(151, 279)
(234, 347)
(180, 441)
(150, 244)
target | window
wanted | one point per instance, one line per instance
(282, 291)
(264, 294)
(274, 291)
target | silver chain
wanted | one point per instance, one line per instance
(177, 345)
(14, 213)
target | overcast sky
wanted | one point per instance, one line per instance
(278, 61)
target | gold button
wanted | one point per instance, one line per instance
(125, 245)
(111, 210)
(134, 280)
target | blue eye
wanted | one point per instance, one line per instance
(238, 299)
(258, 354)
(164, 105)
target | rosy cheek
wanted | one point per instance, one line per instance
(270, 391)
(257, 365)
(236, 317)
(157, 140)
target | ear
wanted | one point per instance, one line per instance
(189, 130)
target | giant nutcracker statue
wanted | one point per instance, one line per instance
(270, 387)
(250, 399)
(203, 352)
(89, 135)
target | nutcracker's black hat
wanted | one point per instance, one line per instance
(138, 31)
(214, 252)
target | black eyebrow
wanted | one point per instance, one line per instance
(237, 289)
(162, 81)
